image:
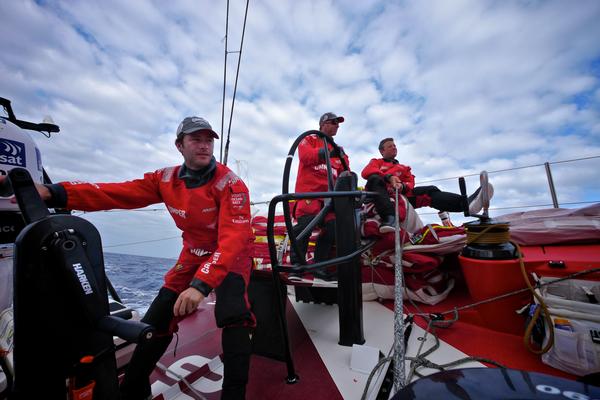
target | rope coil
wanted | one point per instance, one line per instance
(484, 233)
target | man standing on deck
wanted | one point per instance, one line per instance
(386, 174)
(312, 177)
(211, 205)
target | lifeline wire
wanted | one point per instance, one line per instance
(509, 294)
(511, 169)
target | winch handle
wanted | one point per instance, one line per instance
(131, 331)
(463, 194)
(30, 203)
(484, 185)
(6, 188)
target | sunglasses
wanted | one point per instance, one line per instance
(332, 122)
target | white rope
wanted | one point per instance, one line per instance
(399, 350)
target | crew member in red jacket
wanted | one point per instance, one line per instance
(312, 177)
(386, 174)
(211, 205)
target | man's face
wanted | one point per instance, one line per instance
(389, 149)
(330, 127)
(196, 149)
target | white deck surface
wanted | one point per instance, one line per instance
(321, 323)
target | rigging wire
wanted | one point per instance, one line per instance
(77, 212)
(142, 241)
(513, 293)
(235, 85)
(511, 169)
(224, 80)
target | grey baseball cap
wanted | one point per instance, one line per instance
(194, 124)
(329, 116)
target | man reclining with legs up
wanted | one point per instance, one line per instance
(386, 174)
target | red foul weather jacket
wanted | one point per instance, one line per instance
(383, 167)
(312, 173)
(214, 218)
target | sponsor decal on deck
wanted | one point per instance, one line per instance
(209, 381)
(12, 153)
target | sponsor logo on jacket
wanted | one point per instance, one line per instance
(200, 252)
(323, 167)
(176, 211)
(12, 153)
(238, 200)
(84, 183)
(206, 267)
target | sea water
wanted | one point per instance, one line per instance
(136, 279)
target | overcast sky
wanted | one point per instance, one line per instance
(461, 85)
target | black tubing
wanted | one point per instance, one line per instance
(463, 194)
(132, 331)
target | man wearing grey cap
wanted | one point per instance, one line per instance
(312, 177)
(211, 205)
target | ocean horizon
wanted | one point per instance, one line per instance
(136, 279)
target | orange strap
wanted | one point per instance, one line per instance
(83, 393)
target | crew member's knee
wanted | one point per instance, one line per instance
(231, 308)
(160, 312)
(427, 190)
(374, 181)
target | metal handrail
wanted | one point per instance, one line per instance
(302, 196)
